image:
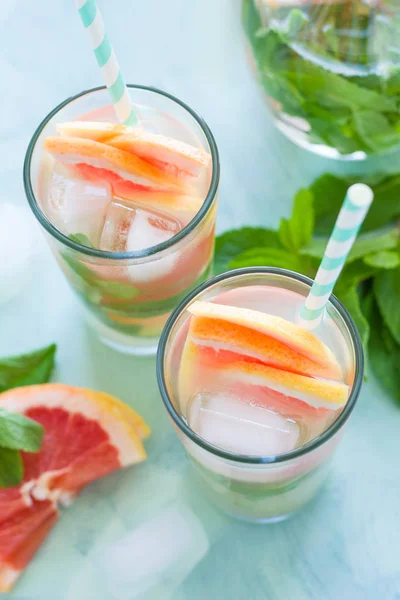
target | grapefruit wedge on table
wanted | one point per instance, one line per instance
(87, 435)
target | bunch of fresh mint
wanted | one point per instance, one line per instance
(17, 433)
(308, 62)
(369, 284)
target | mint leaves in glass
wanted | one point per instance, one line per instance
(330, 71)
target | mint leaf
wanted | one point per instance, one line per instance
(296, 232)
(386, 259)
(329, 192)
(115, 289)
(351, 300)
(234, 242)
(95, 288)
(270, 257)
(375, 129)
(20, 433)
(365, 244)
(353, 275)
(27, 369)
(81, 238)
(387, 293)
(11, 468)
(383, 351)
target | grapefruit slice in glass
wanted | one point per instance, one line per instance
(87, 435)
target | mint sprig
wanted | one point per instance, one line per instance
(18, 433)
(369, 285)
(343, 110)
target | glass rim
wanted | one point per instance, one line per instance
(278, 458)
(107, 254)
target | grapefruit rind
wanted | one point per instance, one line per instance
(318, 393)
(149, 146)
(296, 337)
(28, 512)
(86, 402)
(111, 162)
(226, 336)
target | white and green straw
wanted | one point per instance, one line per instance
(351, 216)
(107, 61)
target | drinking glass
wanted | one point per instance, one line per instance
(128, 312)
(258, 488)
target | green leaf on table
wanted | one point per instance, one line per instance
(352, 275)
(351, 300)
(27, 369)
(270, 257)
(387, 293)
(383, 351)
(11, 468)
(296, 232)
(329, 192)
(385, 259)
(115, 289)
(365, 244)
(234, 242)
(81, 238)
(20, 433)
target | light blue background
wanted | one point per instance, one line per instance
(347, 544)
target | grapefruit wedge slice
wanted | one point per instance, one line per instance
(228, 339)
(167, 153)
(317, 393)
(87, 435)
(295, 337)
(181, 206)
(110, 164)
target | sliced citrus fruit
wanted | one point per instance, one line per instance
(20, 537)
(181, 206)
(318, 393)
(295, 337)
(167, 153)
(87, 435)
(99, 131)
(228, 338)
(110, 164)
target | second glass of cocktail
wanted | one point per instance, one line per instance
(129, 212)
(258, 401)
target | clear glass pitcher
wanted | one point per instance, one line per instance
(330, 70)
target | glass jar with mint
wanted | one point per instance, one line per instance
(330, 70)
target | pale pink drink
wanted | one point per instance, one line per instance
(130, 210)
(259, 403)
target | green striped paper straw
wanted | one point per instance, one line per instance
(351, 216)
(107, 61)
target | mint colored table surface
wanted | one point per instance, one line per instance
(346, 545)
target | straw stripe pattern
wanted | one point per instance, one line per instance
(352, 214)
(107, 61)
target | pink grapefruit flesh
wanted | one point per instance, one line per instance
(295, 337)
(87, 435)
(224, 336)
(110, 164)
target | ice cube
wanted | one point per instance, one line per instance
(241, 427)
(76, 205)
(147, 230)
(118, 221)
(156, 557)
